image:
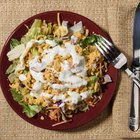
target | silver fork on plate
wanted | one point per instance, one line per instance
(115, 57)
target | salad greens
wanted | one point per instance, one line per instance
(34, 30)
(90, 40)
(29, 110)
(56, 69)
(11, 68)
(34, 51)
(14, 43)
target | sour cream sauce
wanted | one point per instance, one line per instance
(72, 76)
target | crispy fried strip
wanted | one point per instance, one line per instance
(28, 87)
(58, 18)
(53, 107)
(59, 123)
(86, 32)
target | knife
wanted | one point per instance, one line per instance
(134, 107)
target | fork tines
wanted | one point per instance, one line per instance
(107, 49)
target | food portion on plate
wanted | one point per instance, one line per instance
(56, 70)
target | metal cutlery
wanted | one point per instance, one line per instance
(115, 57)
(134, 107)
(119, 61)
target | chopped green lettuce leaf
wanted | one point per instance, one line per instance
(93, 78)
(14, 43)
(92, 82)
(35, 108)
(90, 40)
(11, 68)
(11, 77)
(34, 51)
(29, 110)
(16, 52)
(16, 96)
(34, 31)
(24, 40)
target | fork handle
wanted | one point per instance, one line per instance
(133, 76)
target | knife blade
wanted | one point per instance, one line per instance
(134, 107)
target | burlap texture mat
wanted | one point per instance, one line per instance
(114, 16)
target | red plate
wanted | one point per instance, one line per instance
(79, 118)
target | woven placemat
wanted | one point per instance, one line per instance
(114, 16)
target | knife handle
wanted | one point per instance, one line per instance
(134, 108)
(133, 76)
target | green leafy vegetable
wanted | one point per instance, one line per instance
(24, 40)
(11, 77)
(93, 82)
(16, 96)
(16, 52)
(14, 43)
(11, 68)
(34, 51)
(90, 40)
(35, 108)
(34, 31)
(93, 79)
(29, 110)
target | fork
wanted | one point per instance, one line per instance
(115, 57)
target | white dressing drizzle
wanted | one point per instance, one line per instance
(72, 75)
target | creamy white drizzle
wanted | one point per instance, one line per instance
(38, 76)
(21, 66)
(45, 94)
(34, 64)
(60, 97)
(72, 75)
(37, 86)
(71, 80)
(58, 86)
(22, 77)
(86, 94)
(75, 97)
(28, 47)
(51, 42)
(40, 94)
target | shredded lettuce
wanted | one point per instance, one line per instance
(34, 51)
(16, 52)
(34, 31)
(16, 96)
(93, 79)
(29, 110)
(11, 77)
(92, 82)
(14, 43)
(11, 68)
(90, 40)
